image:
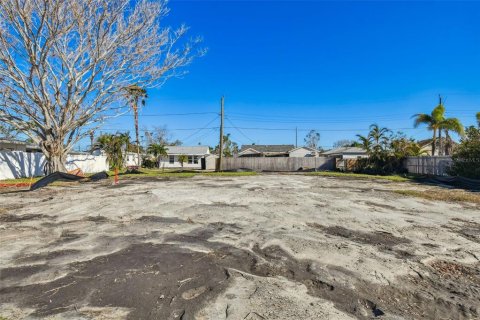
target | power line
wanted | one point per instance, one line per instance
(169, 114)
(145, 130)
(319, 130)
(240, 131)
(200, 129)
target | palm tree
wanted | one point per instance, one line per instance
(157, 150)
(115, 146)
(134, 94)
(433, 122)
(451, 124)
(378, 137)
(478, 118)
(182, 159)
(415, 150)
(365, 142)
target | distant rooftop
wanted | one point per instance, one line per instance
(186, 150)
(268, 148)
(345, 150)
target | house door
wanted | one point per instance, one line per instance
(204, 164)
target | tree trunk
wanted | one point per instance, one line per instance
(55, 155)
(135, 114)
(440, 144)
(434, 141)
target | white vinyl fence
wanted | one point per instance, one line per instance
(19, 164)
(437, 165)
(278, 164)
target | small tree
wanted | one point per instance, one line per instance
(182, 159)
(115, 146)
(466, 157)
(229, 147)
(157, 150)
(312, 139)
(343, 143)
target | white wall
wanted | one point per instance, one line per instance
(302, 152)
(19, 164)
(87, 163)
(131, 159)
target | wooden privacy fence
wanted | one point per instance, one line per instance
(437, 165)
(278, 164)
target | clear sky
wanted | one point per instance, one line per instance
(332, 66)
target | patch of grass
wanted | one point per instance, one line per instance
(442, 195)
(229, 174)
(395, 178)
(21, 180)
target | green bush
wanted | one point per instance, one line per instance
(148, 163)
(466, 158)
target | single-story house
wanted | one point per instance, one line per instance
(448, 146)
(258, 150)
(302, 152)
(346, 157)
(196, 157)
(346, 153)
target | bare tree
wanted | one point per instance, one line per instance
(312, 139)
(64, 64)
(343, 143)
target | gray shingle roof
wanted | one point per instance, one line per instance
(195, 150)
(268, 148)
(345, 150)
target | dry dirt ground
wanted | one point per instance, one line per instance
(258, 247)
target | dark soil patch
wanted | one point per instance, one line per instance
(384, 241)
(165, 281)
(21, 272)
(19, 218)
(159, 219)
(46, 255)
(377, 238)
(98, 219)
(468, 229)
(381, 205)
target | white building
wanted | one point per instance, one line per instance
(346, 153)
(195, 157)
(302, 152)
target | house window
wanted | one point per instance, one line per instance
(195, 159)
(190, 159)
(171, 159)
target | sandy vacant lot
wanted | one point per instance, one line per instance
(258, 247)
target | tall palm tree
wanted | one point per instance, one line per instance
(135, 94)
(378, 136)
(433, 122)
(478, 118)
(157, 150)
(451, 124)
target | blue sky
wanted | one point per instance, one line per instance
(332, 66)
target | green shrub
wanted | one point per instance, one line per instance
(466, 158)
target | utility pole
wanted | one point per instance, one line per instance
(222, 102)
(296, 137)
